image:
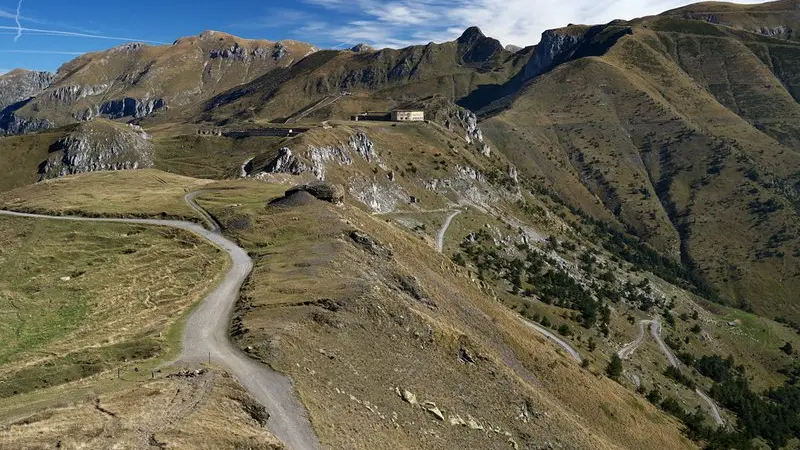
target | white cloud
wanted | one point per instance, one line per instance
(521, 22)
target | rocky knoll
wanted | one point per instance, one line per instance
(98, 145)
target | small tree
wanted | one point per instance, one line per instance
(787, 348)
(614, 368)
(654, 396)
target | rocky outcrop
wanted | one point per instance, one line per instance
(460, 120)
(71, 94)
(131, 107)
(380, 196)
(361, 48)
(240, 53)
(11, 124)
(98, 145)
(129, 47)
(285, 162)
(280, 51)
(316, 159)
(363, 146)
(779, 31)
(575, 41)
(20, 85)
(332, 193)
(555, 46)
(126, 107)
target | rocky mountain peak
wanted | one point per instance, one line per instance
(471, 35)
(360, 48)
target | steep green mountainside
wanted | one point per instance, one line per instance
(778, 18)
(685, 133)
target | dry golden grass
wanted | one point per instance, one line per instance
(206, 411)
(336, 319)
(139, 193)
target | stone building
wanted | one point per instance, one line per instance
(408, 116)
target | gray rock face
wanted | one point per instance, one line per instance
(11, 124)
(361, 48)
(280, 51)
(286, 162)
(130, 107)
(458, 119)
(239, 53)
(554, 45)
(20, 85)
(70, 94)
(96, 147)
(779, 31)
(360, 143)
(316, 159)
(129, 47)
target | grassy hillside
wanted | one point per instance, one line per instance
(661, 136)
(65, 320)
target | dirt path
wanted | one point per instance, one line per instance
(628, 349)
(560, 342)
(206, 333)
(443, 230)
(655, 331)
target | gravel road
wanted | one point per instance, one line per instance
(206, 333)
(443, 230)
(560, 342)
(655, 330)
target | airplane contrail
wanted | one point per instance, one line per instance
(44, 52)
(16, 19)
(73, 34)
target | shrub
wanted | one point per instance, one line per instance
(614, 368)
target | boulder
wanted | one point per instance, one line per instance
(324, 191)
(434, 410)
(369, 244)
(409, 397)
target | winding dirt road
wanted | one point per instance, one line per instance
(655, 331)
(714, 410)
(628, 349)
(560, 342)
(443, 230)
(206, 332)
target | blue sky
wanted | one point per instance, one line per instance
(47, 33)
